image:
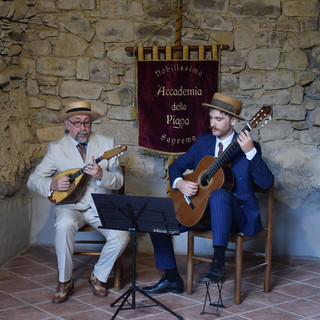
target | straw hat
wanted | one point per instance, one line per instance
(225, 103)
(76, 108)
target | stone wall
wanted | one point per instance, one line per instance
(55, 51)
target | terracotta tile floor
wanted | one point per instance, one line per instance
(28, 282)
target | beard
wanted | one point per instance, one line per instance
(84, 139)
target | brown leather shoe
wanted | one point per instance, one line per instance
(99, 287)
(64, 290)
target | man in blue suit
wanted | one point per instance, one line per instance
(235, 211)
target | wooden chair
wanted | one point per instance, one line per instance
(87, 228)
(239, 239)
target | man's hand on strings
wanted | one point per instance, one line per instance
(245, 141)
(188, 188)
(60, 184)
(93, 169)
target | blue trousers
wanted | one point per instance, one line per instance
(226, 216)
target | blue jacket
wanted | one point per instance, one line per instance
(244, 172)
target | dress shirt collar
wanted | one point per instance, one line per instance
(224, 142)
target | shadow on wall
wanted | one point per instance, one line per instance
(42, 227)
(302, 223)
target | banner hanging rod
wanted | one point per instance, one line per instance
(192, 48)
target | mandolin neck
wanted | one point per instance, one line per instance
(81, 171)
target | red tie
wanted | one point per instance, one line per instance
(220, 148)
(82, 151)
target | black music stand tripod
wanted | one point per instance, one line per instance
(147, 214)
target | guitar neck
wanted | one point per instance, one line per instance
(81, 171)
(216, 165)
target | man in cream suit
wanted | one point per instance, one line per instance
(104, 177)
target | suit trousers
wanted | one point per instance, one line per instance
(68, 221)
(226, 216)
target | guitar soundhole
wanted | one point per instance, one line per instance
(204, 181)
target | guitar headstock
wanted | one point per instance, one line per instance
(261, 117)
(117, 151)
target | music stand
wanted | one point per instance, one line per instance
(136, 214)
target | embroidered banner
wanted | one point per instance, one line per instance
(170, 94)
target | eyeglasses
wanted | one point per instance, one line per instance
(77, 124)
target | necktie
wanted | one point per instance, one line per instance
(82, 151)
(220, 148)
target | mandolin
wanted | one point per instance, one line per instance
(78, 180)
(211, 174)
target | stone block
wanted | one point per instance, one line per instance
(32, 87)
(289, 112)
(83, 68)
(48, 32)
(277, 39)
(68, 4)
(62, 67)
(209, 6)
(119, 113)
(313, 90)
(99, 70)
(275, 130)
(166, 9)
(128, 134)
(88, 4)
(80, 89)
(98, 50)
(296, 60)
(309, 24)
(54, 104)
(69, 45)
(36, 103)
(264, 59)
(304, 78)
(118, 56)
(255, 8)
(75, 22)
(315, 56)
(314, 117)
(250, 80)
(287, 26)
(244, 37)
(297, 95)
(275, 98)
(216, 22)
(40, 47)
(304, 40)
(114, 30)
(229, 83)
(49, 134)
(301, 8)
(232, 59)
(278, 80)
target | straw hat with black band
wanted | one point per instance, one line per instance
(225, 103)
(78, 108)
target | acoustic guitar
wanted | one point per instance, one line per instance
(78, 180)
(211, 174)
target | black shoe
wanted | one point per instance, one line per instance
(215, 273)
(164, 286)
